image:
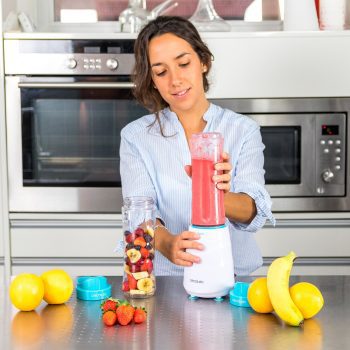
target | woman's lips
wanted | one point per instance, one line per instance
(181, 93)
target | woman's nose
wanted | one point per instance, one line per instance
(176, 77)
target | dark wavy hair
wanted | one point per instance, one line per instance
(144, 91)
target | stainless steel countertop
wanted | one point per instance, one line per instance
(175, 322)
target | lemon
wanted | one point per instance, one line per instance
(26, 291)
(258, 296)
(58, 286)
(307, 297)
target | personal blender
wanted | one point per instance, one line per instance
(213, 277)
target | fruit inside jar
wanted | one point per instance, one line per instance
(139, 280)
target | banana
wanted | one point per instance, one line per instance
(145, 284)
(278, 288)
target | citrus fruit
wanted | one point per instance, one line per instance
(307, 297)
(58, 286)
(258, 296)
(26, 291)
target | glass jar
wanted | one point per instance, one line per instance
(138, 229)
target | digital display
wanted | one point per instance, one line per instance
(330, 130)
(92, 49)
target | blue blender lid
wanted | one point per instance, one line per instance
(238, 295)
(93, 288)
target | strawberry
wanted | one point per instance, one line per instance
(147, 266)
(109, 318)
(140, 241)
(109, 304)
(132, 282)
(125, 286)
(140, 315)
(125, 314)
(144, 252)
(139, 231)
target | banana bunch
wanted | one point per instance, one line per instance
(278, 288)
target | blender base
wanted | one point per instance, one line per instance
(213, 277)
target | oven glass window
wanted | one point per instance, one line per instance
(282, 154)
(71, 137)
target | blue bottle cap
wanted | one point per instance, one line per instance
(93, 288)
(238, 295)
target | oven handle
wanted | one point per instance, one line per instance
(75, 85)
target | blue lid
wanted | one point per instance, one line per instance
(93, 288)
(238, 295)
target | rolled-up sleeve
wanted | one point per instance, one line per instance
(136, 180)
(249, 178)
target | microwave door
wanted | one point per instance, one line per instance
(289, 154)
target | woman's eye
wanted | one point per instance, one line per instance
(184, 64)
(160, 74)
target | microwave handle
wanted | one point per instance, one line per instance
(76, 85)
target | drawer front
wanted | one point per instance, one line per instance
(319, 238)
(65, 238)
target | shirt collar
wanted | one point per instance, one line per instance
(208, 115)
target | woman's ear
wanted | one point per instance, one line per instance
(204, 68)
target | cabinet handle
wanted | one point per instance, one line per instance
(64, 224)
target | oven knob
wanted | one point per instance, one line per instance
(327, 175)
(71, 63)
(112, 63)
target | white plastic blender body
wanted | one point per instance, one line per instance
(213, 277)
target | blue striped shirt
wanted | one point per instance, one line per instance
(153, 165)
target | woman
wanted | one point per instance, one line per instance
(170, 74)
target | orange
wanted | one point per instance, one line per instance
(307, 297)
(258, 296)
(58, 286)
(26, 291)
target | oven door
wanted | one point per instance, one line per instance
(290, 155)
(63, 142)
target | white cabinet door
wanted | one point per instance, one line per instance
(71, 239)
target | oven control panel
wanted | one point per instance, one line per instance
(330, 153)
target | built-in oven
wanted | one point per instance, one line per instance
(66, 103)
(306, 150)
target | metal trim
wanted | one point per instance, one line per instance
(117, 261)
(308, 223)
(75, 85)
(308, 261)
(64, 224)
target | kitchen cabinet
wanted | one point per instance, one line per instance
(80, 245)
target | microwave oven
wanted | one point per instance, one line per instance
(306, 150)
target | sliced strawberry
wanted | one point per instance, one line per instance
(147, 266)
(132, 282)
(125, 286)
(140, 241)
(144, 252)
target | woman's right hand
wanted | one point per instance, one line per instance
(178, 245)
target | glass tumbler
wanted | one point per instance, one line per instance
(138, 215)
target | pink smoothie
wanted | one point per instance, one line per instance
(207, 201)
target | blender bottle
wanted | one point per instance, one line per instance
(213, 277)
(138, 229)
(207, 200)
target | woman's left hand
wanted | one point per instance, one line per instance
(223, 179)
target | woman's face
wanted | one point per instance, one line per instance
(177, 73)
